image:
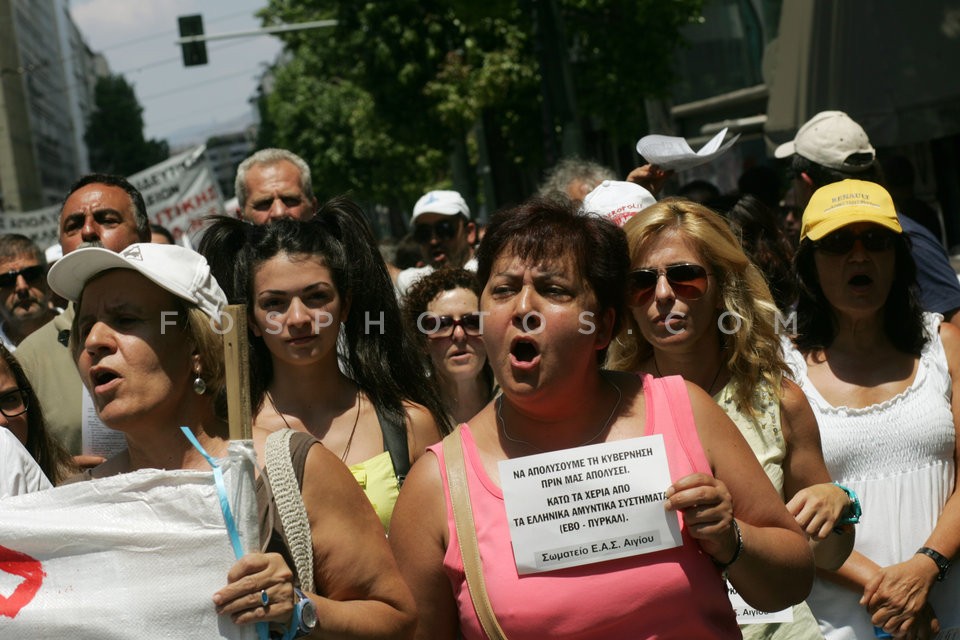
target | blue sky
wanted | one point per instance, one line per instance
(137, 38)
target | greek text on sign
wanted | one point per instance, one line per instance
(751, 615)
(590, 504)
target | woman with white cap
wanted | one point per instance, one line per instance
(883, 379)
(146, 343)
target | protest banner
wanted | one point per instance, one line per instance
(40, 225)
(179, 192)
(137, 555)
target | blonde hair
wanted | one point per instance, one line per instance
(754, 349)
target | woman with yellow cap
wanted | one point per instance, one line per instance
(883, 379)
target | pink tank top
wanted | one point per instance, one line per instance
(677, 593)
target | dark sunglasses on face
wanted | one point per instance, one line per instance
(30, 274)
(841, 242)
(688, 281)
(13, 403)
(443, 230)
(443, 326)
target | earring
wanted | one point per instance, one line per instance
(199, 386)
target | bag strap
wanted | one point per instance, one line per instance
(395, 441)
(290, 507)
(467, 534)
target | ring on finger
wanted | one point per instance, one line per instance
(264, 598)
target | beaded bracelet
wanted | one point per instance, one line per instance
(723, 566)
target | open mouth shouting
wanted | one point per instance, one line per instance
(860, 281)
(524, 354)
(103, 379)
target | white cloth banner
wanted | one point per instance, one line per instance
(181, 191)
(40, 225)
(138, 555)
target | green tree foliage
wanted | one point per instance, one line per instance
(378, 104)
(114, 134)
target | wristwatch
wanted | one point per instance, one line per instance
(304, 615)
(943, 562)
(851, 515)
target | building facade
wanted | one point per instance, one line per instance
(47, 79)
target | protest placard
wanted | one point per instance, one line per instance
(589, 504)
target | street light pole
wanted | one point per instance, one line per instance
(281, 28)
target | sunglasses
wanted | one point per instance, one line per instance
(443, 326)
(30, 274)
(13, 403)
(688, 281)
(841, 242)
(443, 230)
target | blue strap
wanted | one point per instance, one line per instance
(263, 629)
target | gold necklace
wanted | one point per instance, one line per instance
(713, 382)
(506, 434)
(356, 421)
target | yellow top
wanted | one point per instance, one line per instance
(379, 482)
(765, 437)
(762, 432)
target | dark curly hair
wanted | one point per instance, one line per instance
(386, 368)
(902, 314)
(763, 240)
(423, 292)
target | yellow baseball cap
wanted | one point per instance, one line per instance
(847, 202)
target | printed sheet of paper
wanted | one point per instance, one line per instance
(98, 439)
(671, 152)
(590, 504)
(749, 615)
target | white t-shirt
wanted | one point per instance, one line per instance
(19, 472)
(407, 277)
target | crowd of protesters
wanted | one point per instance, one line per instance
(791, 346)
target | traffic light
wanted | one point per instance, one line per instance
(194, 53)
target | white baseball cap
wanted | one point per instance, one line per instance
(447, 203)
(183, 272)
(829, 139)
(53, 253)
(617, 201)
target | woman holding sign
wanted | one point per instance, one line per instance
(577, 472)
(146, 341)
(701, 309)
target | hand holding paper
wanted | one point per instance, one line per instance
(672, 152)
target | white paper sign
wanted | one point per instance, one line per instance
(671, 152)
(97, 438)
(590, 504)
(749, 615)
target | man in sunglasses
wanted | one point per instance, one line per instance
(442, 226)
(100, 210)
(24, 294)
(831, 147)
